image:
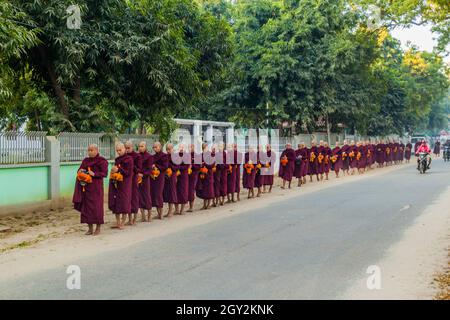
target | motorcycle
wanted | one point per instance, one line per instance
(446, 153)
(423, 162)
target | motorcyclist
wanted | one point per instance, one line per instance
(424, 148)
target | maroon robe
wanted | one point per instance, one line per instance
(161, 161)
(353, 163)
(408, 149)
(298, 163)
(401, 152)
(137, 168)
(344, 157)
(337, 166)
(286, 172)
(183, 182)
(193, 177)
(90, 201)
(321, 165)
(327, 161)
(313, 165)
(361, 163)
(248, 179)
(205, 184)
(170, 183)
(145, 198)
(120, 195)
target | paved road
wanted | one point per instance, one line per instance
(311, 246)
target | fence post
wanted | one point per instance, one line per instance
(52, 155)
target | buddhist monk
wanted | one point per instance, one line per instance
(145, 197)
(298, 165)
(416, 146)
(269, 165)
(321, 159)
(259, 178)
(160, 165)
(137, 168)
(88, 196)
(379, 153)
(361, 157)
(327, 160)
(401, 152)
(287, 165)
(408, 151)
(231, 171)
(336, 159)
(184, 167)
(437, 148)
(352, 152)
(239, 160)
(345, 158)
(305, 161)
(205, 185)
(313, 161)
(170, 183)
(249, 172)
(196, 160)
(223, 169)
(120, 186)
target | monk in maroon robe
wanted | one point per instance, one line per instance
(401, 152)
(223, 170)
(327, 159)
(160, 165)
(205, 185)
(145, 197)
(137, 173)
(170, 183)
(184, 167)
(304, 152)
(298, 165)
(345, 158)
(268, 168)
(408, 151)
(259, 178)
(313, 161)
(239, 160)
(249, 172)
(287, 165)
(120, 189)
(196, 160)
(352, 153)
(321, 159)
(231, 174)
(336, 159)
(88, 196)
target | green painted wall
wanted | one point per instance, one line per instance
(22, 185)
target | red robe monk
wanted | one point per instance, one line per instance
(313, 162)
(408, 151)
(145, 197)
(160, 165)
(287, 165)
(222, 169)
(137, 168)
(184, 167)
(231, 174)
(88, 196)
(196, 160)
(327, 159)
(170, 183)
(249, 172)
(205, 185)
(239, 160)
(269, 167)
(259, 177)
(336, 159)
(345, 158)
(120, 186)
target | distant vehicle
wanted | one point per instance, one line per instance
(414, 139)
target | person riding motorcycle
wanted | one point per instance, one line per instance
(424, 148)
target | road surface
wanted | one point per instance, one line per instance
(313, 246)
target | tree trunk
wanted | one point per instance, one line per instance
(59, 92)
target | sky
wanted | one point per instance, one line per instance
(421, 36)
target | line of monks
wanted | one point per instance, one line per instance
(140, 181)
